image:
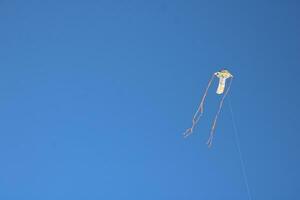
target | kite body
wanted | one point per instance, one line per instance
(223, 75)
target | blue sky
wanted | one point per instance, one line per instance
(95, 95)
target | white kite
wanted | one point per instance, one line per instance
(223, 75)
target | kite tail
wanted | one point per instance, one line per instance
(199, 111)
(212, 131)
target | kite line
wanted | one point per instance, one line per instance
(237, 141)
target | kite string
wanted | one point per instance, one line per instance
(237, 140)
(197, 116)
(211, 136)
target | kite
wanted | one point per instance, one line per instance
(223, 75)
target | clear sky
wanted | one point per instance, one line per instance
(94, 97)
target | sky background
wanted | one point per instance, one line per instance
(96, 94)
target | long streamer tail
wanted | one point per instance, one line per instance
(212, 131)
(199, 111)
